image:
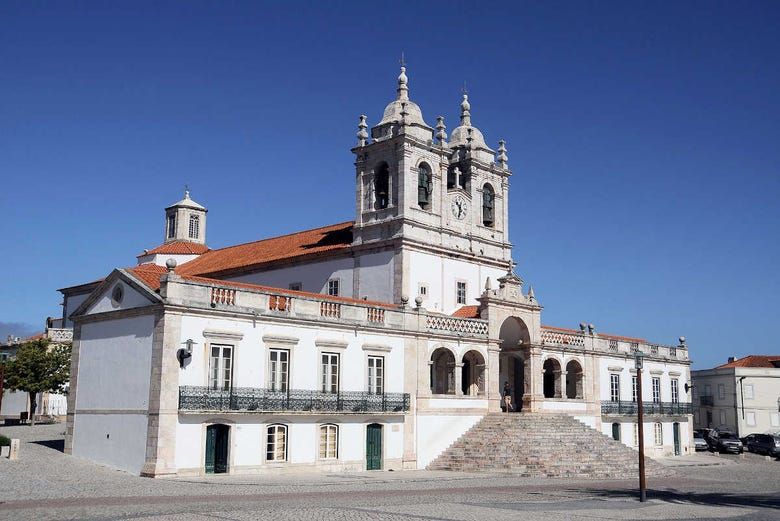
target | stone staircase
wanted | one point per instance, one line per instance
(542, 445)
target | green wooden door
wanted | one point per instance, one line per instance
(374, 447)
(217, 448)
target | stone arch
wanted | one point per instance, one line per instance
(488, 205)
(514, 333)
(473, 377)
(442, 371)
(381, 186)
(574, 380)
(424, 185)
(515, 340)
(551, 379)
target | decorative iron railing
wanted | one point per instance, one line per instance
(658, 408)
(201, 398)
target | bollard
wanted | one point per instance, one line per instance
(14, 454)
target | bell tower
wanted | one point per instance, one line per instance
(185, 220)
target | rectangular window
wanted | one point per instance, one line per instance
(330, 373)
(749, 392)
(614, 387)
(329, 442)
(296, 286)
(774, 419)
(659, 434)
(721, 392)
(171, 226)
(656, 390)
(723, 418)
(750, 418)
(634, 388)
(194, 226)
(423, 290)
(333, 287)
(376, 374)
(220, 367)
(707, 390)
(460, 290)
(675, 391)
(636, 435)
(278, 369)
(276, 443)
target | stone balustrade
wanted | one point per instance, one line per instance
(468, 326)
(609, 344)
(59, 334)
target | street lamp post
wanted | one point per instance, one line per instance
(640, 426)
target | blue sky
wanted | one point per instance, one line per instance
(643, 139)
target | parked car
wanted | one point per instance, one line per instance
(764, 444)
(728, 442)
(699, 442)
(747, 439)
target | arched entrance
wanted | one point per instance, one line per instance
(473, 377)
(515, 341)
(442, 371)
(552, 378)
(574, 380)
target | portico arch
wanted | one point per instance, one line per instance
(515, 342)
(551, 378)
(574, 378)
(473, 381)
(442, 371)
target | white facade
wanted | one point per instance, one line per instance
(231, 374)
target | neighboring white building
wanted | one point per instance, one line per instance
(742, 396)
(371, 344)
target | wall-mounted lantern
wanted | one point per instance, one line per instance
(185, 352)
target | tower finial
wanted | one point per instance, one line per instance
(465, 111)
(402, 61)
(441, 133)
(403, 89)
(186, 191)
(501, 157)
(362, 135)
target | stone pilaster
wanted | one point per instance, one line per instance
(493, 379)
(534, 381)
(458, 379)
(163, 397)
(72, 389)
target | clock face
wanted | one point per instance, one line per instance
(460, 207)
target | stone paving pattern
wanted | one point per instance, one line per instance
(45, 484)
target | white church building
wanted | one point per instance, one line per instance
(370, 344)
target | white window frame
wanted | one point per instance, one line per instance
(220, 375)
(749, 391)
(636, 435)
(721, 391)
(334, 287)
(275, 435)
(329, 372)
(279, 369)
(658, 431)
(675, 388)
(376, 374)
(194, 226)
(774, 419)
(329, 441)
(634, 388)
(171, 226)
(750, 418)
(458, 293)
(656, 382)
(422, 290)
(722, 417)
(614, 387)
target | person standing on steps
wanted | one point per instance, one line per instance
(507, 397)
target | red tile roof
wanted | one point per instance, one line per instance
(768, 361)
(149, 274)
(467, 312)
(178, 248)
(324, 240)
(603, 335)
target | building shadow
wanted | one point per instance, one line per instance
(58, 445)
(768, 500)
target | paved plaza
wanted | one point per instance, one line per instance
(45, 484)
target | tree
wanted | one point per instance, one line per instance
(39, 368)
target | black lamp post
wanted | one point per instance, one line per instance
(640, 425)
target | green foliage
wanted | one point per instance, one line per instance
(5, 441)
(38, 368)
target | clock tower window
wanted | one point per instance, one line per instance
(382, 186)
(488, 205)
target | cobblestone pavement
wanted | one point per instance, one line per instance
(45, 484)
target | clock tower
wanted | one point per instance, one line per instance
(440, 205)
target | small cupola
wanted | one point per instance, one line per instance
(185, 220)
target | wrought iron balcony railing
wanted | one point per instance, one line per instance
(201, 398)
(706, 400)
(649, 408)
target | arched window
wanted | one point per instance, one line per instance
(382, 186)
(488, 205)
(442, 372)
(329, 441)
(276, 443)
(424, 186)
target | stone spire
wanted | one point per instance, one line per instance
(501, 158)
(441, 133)
(362, 134)
(403, 89)
(465, 111)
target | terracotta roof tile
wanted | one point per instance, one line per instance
(467, 312)
(149, 274)
(324, 240)
(768, 361)
(178, 248)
